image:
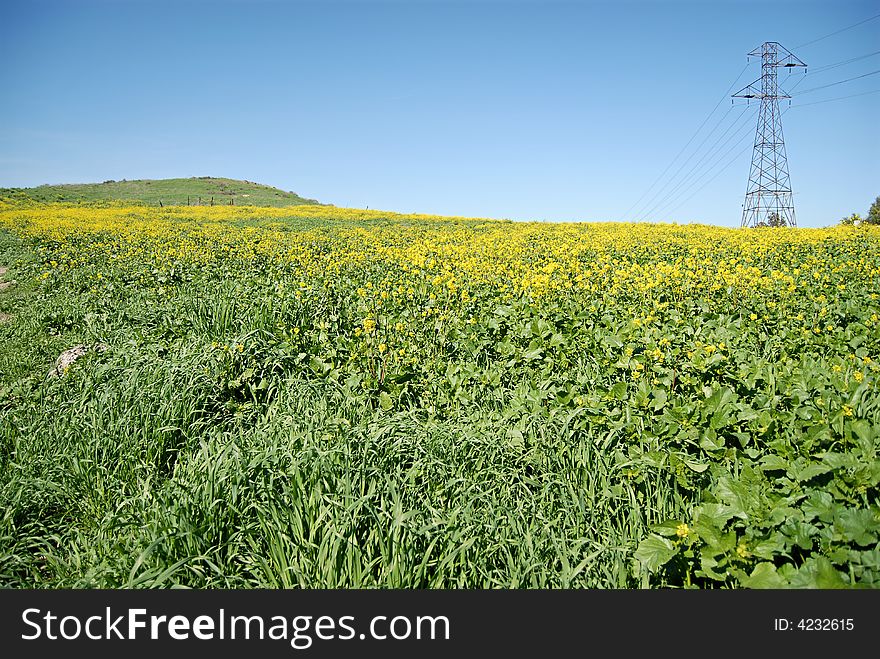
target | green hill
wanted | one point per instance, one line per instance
(201, 190)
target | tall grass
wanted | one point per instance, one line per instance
(133, 470)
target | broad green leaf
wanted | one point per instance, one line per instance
(709, 532)
(859, 526)
(654, 552)
(770, 547)
(864, 431)
(839, 460)
(799, 533)
(709, 562)
(667, 528)
(659, 398)
(819, 504)
(764, 576)
(774, 462)
(811, 471)
(734, 494)
(818, 573)
(716, 514)
(710, 441)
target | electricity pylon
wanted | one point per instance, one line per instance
(768, 195)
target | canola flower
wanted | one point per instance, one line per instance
(406, 276)
(458, 257)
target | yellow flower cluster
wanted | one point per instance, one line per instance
(435, 266)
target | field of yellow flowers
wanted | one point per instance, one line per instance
(326, 397)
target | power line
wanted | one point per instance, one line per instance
(794, 86)
(839, 98)
(684, 148)
(848, 27)
(714, 160)
(846, 61)
(717, 174)
(740, 136)
(828, 67)
(839, 82)
(688, 159)
(686, 180)
(720, 171)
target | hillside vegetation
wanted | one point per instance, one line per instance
(200, 190)
(324, 397)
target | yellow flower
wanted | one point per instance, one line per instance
(382, 347)
(682, 530)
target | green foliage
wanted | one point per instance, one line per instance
(874, 212)
(774, 220)
(202, 190)
(235, 434)
(853, 220)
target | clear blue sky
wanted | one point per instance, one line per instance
(520, 110)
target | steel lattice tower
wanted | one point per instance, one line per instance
(768, 195)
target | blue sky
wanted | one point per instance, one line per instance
(523, 110)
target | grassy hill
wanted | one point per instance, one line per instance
(170, 191)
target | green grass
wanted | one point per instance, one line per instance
(172, 191)
(213, 446)
(139, 469)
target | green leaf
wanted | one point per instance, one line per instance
(385, 401)
(864, 431)
(709, 532)
(818, 572)
(667, 528)
(734, 494)
(698, 467)
(659, 398)
(708, 563)
(716, 514)
(811, 471)
(654, 552)
(618, 391)
(769, 548)
(746, 412)
(840, 460)
(858, 526)
(764, 576)
(799, 533)
(774, 462)
(318, 366)
(819, 504)
(710, 441)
